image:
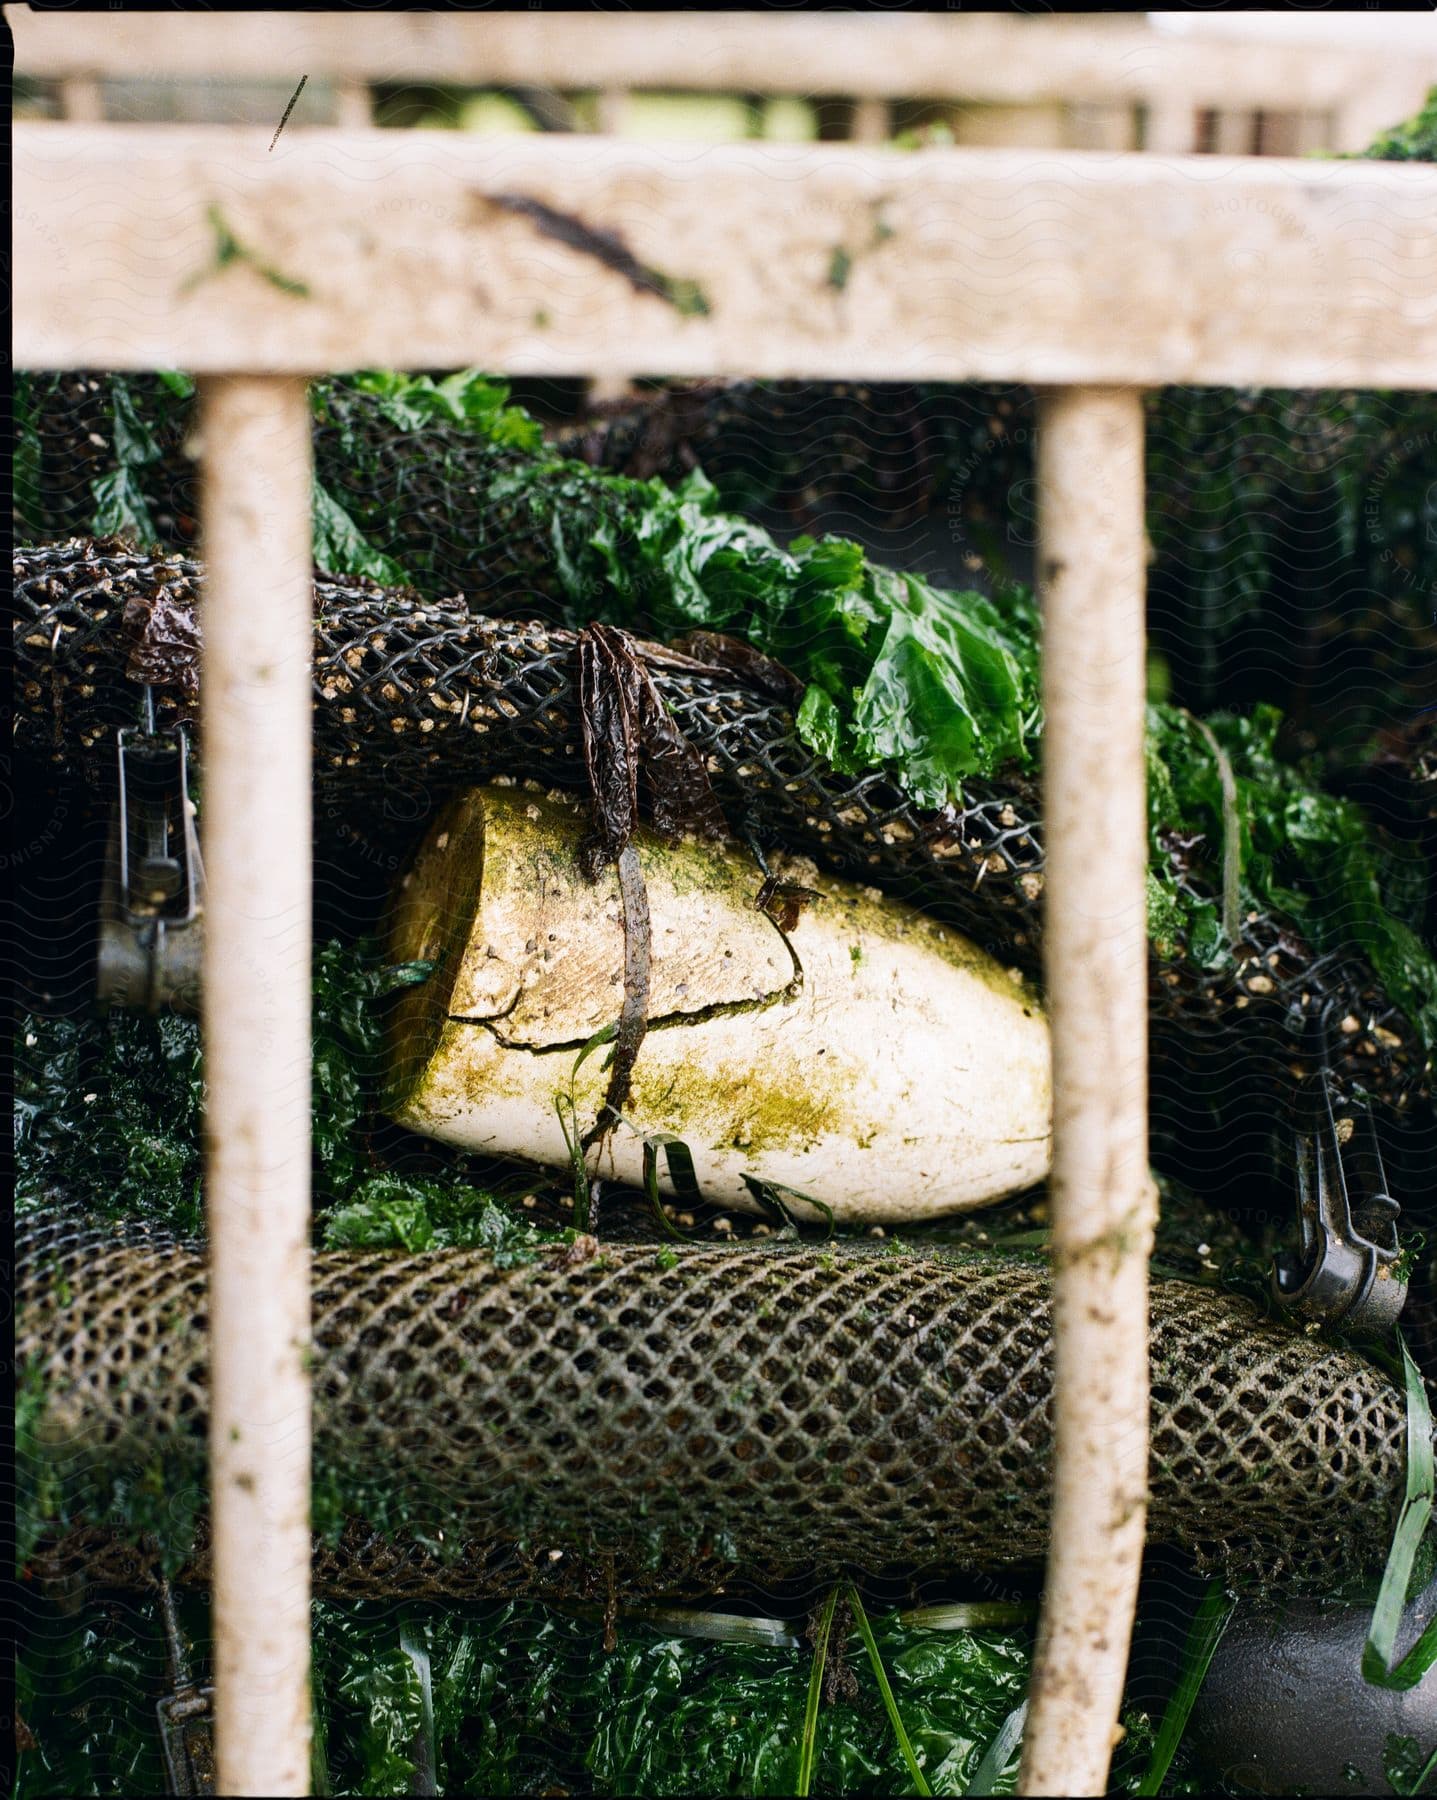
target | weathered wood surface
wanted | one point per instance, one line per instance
(258, 639)
(1091, 579)
(563, 254)
(981, 57)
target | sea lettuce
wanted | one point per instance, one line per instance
(108, 1111)
(1301, 851)
(933, 684)
(1414, 141)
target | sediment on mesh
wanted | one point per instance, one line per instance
(789, 1409)
(414, 699)
(443, 499)
(438, 500)
(361, 1563)
(885, 446)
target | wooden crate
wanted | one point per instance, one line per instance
(1081, 81)
(1096, 277)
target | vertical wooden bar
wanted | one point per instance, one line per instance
(1090, 473)
(871, 120)
(1170, 127)
(1236, 132)
(353, 105)
(613, 110)
(258, 635)
(82, 99)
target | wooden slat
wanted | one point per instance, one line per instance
(353, 105)
(255, 434)
(871, 124)
(1171, 126)
(1095, 950)
(82, 99)
(423, 250)
(1235, 134)
(980, 57)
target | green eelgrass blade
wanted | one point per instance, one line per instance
(1203, 1638)
(680, 1162)
(865, 1631)
(578, 1168)
(768, 1193)
(1429, 1768)
(808, 1744)
(995, 1757)
(1416, 1515)
(604, 1035)
(573, 1137)
(969, 1615)
(718, 1628)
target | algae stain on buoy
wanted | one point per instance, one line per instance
(858, 1052)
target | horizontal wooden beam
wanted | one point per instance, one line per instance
(976, 56)
(200, 248)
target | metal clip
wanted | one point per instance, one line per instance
(154, 889)
(185, 1714)
(1345, 1270)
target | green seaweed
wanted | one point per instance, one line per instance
(109, 1109)
(526, 1700)
(339, 544)
(1414, 141)
(467, 398)
(108, 1113)
(1300, 851)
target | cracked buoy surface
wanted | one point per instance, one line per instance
(837, 1042)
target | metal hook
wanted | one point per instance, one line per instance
(185, 1713)
(1345, 1269)
(153, 897)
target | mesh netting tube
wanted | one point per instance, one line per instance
(790, 1410)
(414, 700)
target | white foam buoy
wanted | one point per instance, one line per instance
(859, 1053)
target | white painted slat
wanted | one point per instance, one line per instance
(425, 250)
(258, 631)
(1091, 581)
(353, 104)
(975, 56)
(82, 99)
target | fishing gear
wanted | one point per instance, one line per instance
(1346, 1269)
(415, 701)
(186, 1713)
(653, 1416)
(153, 891)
